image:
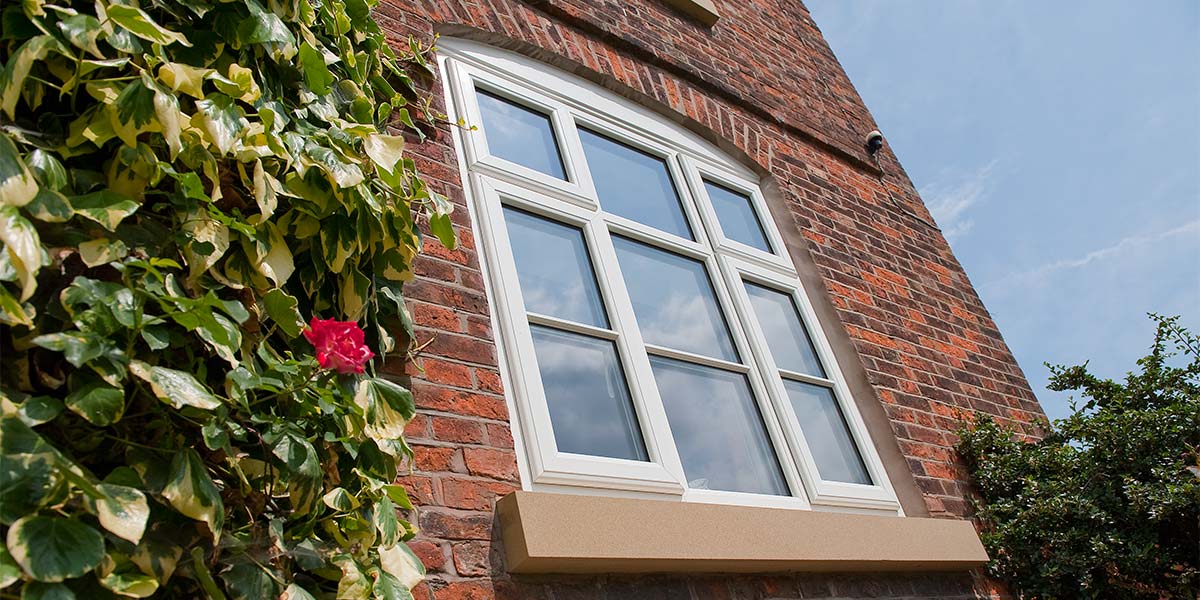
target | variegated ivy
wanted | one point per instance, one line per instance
(183, 184)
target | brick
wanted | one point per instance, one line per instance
(486, 462)
(446, 373)
(447, 525)
(471, 558)
(433, 458)
(448, 429)
(460, 402)
(430, 553)
(499, 436)
(463, 590)
(472, 494)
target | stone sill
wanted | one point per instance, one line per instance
(566, 533)
(703, 11)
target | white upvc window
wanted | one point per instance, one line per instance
(655, 339)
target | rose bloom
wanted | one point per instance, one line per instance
(339, 345)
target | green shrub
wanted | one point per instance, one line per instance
(183, 186)
(1107, 505)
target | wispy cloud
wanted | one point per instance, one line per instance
(1122, 246)
(952, 194)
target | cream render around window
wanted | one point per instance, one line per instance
(654, 336)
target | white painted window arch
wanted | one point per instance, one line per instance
(655, 339)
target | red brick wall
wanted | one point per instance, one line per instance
(764, 83)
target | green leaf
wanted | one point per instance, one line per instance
(12, 81)
(177, 388)
(281, 307)
(184, 78)
(441, 226)
(10, 571)
(17, 185)
(400, 562)
(265, 27)
(399, 496)
(386, 407)
(123, 511)
(47, 169)
(192, 492)
(36, 590)
(102, 251)
(131, 583)
(40, 409)
(26, 481)
(295, 592)
(385, 150)
(82, 30)
(156, 337)
(340, 500)
(24, 248)
(303, 471)
(105, 207)
(316, 73)
(50, 206)
(386, 522)
(248, 581)
(354, 584)
(99, 403)
(223, 335)
(137, 22)
(222, 119)
(215, 436)
(204, 232)
(170, 119)
(389, 587)
(266, 190)
(51, 549)
(78, 348)
(271, 256)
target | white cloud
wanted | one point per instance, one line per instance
(952, 194)
(1122, 246)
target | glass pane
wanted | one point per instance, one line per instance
(736, 214)
(633, 184)
(590, 407)
(552, 264)
(718, 430)
(673, 300)
(519, 134)
(825, 429)
(786, 337)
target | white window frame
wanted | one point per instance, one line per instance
(492, 182)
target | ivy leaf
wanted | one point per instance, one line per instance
(223, 335)
(10, 571)
(102, 251)
(50, 206)
(51, 549)
(36, 590)
(40, 409)
(82, 30)
(17, 185)
(316, 73)
(177, 388)
(135, 112)
(25, 483)
(441, 226)
(137, 22)
(266, 190)
(78, 348)
(386, 407)
(105, 207)
(282, 308)
(303, 470)
(341, 173)
(166, 108)
(385, 150)
(12, 81)
(192, 492)
(388, 587)
(386, 522)
(271, 256)
(400, 562)
(99, 403)
(47, 169)
(123, 511)
(354, 584)
(204, 233)
(248, 581)
(340, 500)
(184, 78)
(130, 582)
(222, 119)
(295, 592)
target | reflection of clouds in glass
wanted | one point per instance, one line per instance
(673, 300)
(736, 214)
(825, 431)
(519, 134)
(717, 428)
(553, 267)
(786, 337)
(633, 184)
(590, 407)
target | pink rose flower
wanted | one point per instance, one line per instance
(339, 345)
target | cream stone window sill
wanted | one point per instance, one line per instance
(566, 533)
(703, 11)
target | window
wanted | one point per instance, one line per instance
(654, 334)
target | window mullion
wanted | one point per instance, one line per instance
(632, 348)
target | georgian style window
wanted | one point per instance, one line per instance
(654, 335)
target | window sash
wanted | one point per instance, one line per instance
(494, 182)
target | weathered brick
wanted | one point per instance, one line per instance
(473, 494)
(448, 429)
(471, 558)
(486, 462)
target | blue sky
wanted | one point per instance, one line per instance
(1058, 145)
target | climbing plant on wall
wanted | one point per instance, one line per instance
(205, 225)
